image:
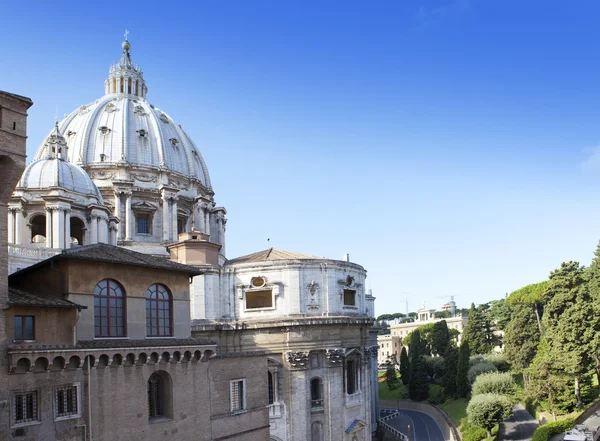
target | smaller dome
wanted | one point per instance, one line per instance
(55, 172)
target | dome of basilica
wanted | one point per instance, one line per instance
(53, 171)
(123, 129)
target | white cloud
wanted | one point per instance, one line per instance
(592, 163)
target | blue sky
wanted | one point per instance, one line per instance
(451, 147)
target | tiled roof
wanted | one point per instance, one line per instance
(17, 297)
(271, 254)
(119, 344)
(101, 252)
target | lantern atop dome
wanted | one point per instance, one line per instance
(124, 77)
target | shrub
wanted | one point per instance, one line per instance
(548, 430)
(436, 394)
(480, 368)
(487, 410)
(471, 432)
(493, 382)
(434, 366)
(498, 360)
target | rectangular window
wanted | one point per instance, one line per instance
(352, 376)
(24, 327)
(237, 395)
(259, 299)
(142, 223)
(66, 401)
(25, 408)
(349, 297)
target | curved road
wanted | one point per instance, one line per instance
(422, 426)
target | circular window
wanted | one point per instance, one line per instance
(257, 282)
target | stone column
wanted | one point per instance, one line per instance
(165, 216)
(67, 229)
(112, 230)
(19, 224)
(117, 212)
(128, 217)
(49, 227)
(297, 395)
(102, 229)
(94, 229)
(58, 228)
(11, 225)
(174, 236)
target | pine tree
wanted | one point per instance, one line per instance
(450, 370)
(594, 291)
(404, 366)
(569, 323)
(521, 338)
(391, 379)
(418, 388)
(475, 332)
(462, 370)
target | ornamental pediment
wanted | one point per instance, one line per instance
(144, 206)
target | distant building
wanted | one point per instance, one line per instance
(391, 344)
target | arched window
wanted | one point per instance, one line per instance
(316, 393)
(158, 311)
(109, 309)
(159, 395)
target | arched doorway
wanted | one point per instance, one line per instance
(38, 229)
(77, 231)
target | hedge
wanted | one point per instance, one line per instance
(546, 431)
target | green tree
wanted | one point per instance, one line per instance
(442, 314)
(475, 332)
(494, 383)
(480, 368)
(487, 410)
(404, 366)
(426, 332)
(418, 388)
(568, 323)
(534, 296)
(547, 383)
(593, 274)
(462, 370)
(450, 371)
(391, 378)
(440, 338)
(521, 339)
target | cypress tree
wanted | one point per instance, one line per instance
(475, 332)
(404, 366)
(450, 370)
(462, 370)
(418, 388)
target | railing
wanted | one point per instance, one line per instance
(40, 253)
(386, 426)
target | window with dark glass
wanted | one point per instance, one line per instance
(24, 327)
(156, 396)
(237, 395)
(66, 401)
(142, 222)
(25, 407)
(351, 376)
(109, 309)
(349, 297)
(271, 388)
(158, 311)
(316, 393)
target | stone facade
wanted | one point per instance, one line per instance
(313, 317)
(13, 134)
(68, 380)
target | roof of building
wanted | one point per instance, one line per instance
(272, 254)
(102, 252)
(18, 97)
(16, 297)
(119, 343)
